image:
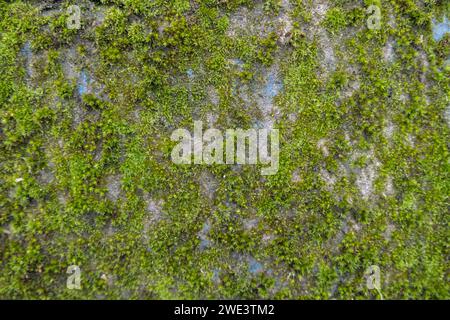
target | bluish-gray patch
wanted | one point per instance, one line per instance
(83, 83)
(440, 29)
(26, 50)
(204, 241)
(255, 266)
(190, 73)
(238, 62)
(258, 124)
(206, 228)
(273, 85)
(216, 275)
(27, 53)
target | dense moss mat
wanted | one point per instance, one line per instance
(86, 175)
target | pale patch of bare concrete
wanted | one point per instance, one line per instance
(388, 51)
(389, 187)
(162, 26)
(353, 86)
(269, 87)
(98, 152)
(72, 72)
(285, 31)
(211, 119)
(327, 56)
(387, 234)
(245, 22)
(251, 223)
(154, 213)
(236, 64)
(78, 114)
(322, 145)
(258, 97)
(447, 115)
(366, 178)
(348, 224)
(392, 23)
(110, 230)
(213, 96)
(208, 184)
(245, 94)
(411, 140)
(98, 15)
(268, 238)
(83, 79)
(114, 186)
(34, 63)
(154, 207)
(424, 64)
(69, 65)
(255, 22)
(318, 11)
(292, 117)
(27, 55)
(388, 130)
(285, 26)
(296, 178)
(404, 97)
(46, 176)
(203, 236)
(62, 198)
(328, 178)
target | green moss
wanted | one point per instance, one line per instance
(86, 175)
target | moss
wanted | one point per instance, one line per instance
(87, 178)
